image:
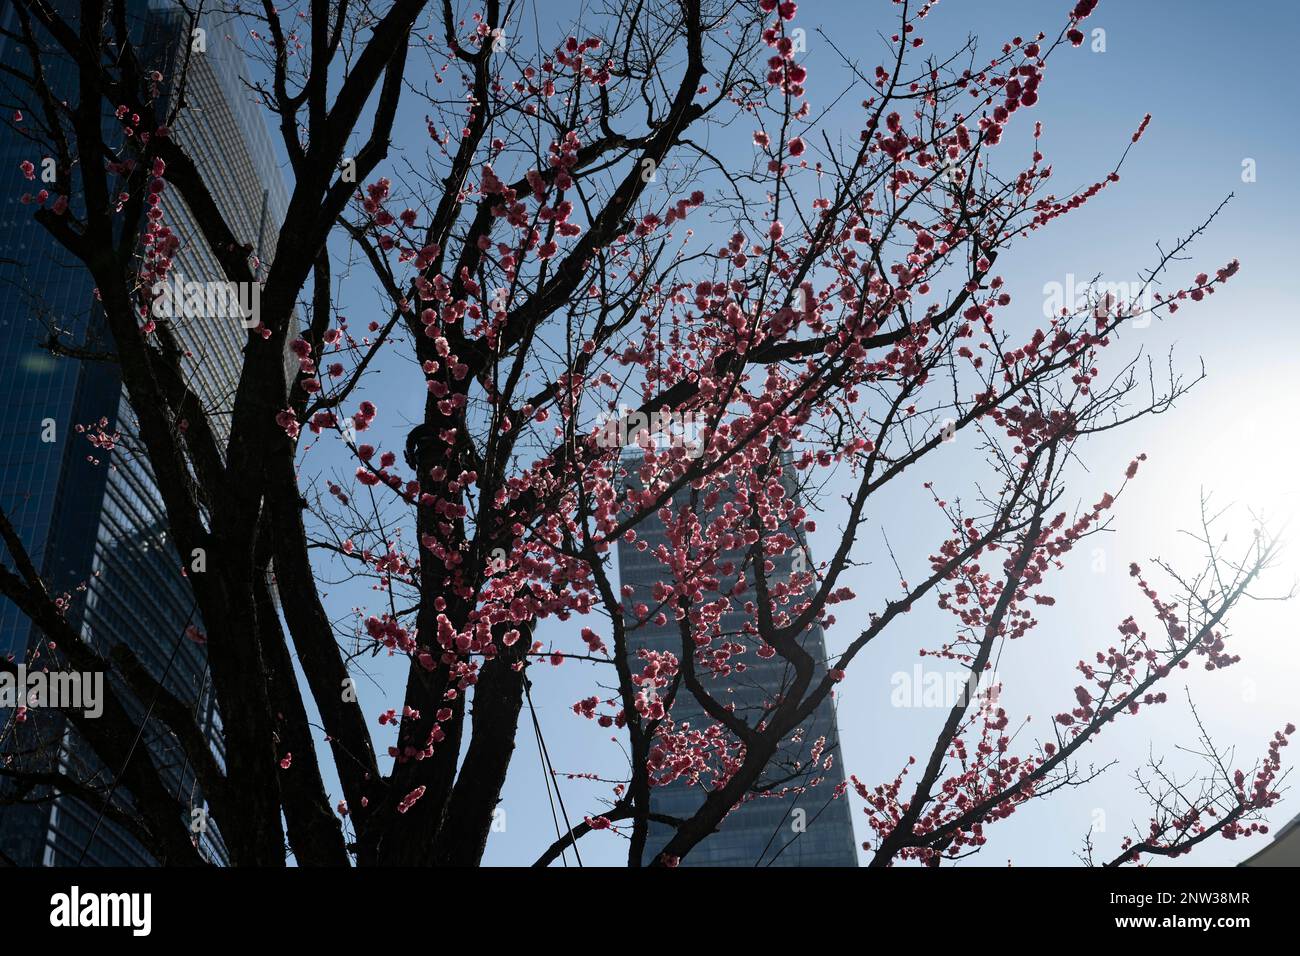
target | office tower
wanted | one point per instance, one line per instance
(806, 826)
(90, 516)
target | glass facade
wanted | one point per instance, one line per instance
(91, 518)
(803, 825)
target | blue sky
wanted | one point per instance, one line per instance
(1215, 83)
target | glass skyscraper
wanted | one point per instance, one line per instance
(91, 517)
(803, 825)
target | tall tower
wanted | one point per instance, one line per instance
(91, 518)
(804, 825)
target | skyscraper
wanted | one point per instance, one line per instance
(90, 514)
(799, 825)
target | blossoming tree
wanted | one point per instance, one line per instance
(569, 248)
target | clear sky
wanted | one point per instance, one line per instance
(1214, 78)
